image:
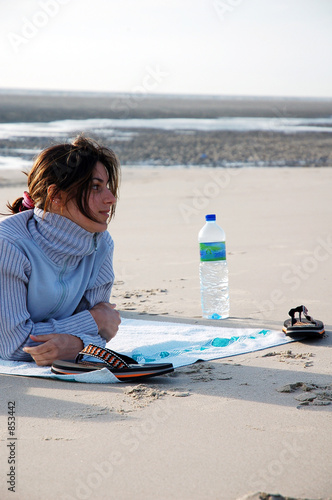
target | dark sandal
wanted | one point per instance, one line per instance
(302, 327)
(123, 367)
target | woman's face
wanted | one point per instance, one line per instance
(100, 202)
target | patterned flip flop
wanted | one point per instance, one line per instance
(125, 368)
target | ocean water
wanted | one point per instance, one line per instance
(61, 128)
(124, 129)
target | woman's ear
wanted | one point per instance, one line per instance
(56, 198)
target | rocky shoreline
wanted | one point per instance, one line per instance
(199, 148)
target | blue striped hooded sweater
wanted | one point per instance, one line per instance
(52, 271)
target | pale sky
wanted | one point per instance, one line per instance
(217, 47)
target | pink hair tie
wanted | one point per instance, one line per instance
(27, 201)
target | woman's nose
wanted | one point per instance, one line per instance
(110, 197)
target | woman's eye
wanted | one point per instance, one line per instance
(95, 187)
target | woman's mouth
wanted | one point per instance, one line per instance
(105, 214)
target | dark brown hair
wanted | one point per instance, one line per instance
(69, 167)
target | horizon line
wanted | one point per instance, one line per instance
(104, 93)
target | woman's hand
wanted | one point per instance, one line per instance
(107, 319)
(54, 346)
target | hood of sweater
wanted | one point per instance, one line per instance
(60, 238)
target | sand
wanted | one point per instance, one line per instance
(249, 427)
(226, 429)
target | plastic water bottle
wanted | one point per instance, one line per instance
(213, 270)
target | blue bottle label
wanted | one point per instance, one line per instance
(212, 251)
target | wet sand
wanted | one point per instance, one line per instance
(62, 106)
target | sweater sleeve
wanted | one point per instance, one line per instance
(15, 322)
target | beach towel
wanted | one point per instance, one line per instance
(156, 341)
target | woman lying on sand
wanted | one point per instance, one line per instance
(56, 257)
